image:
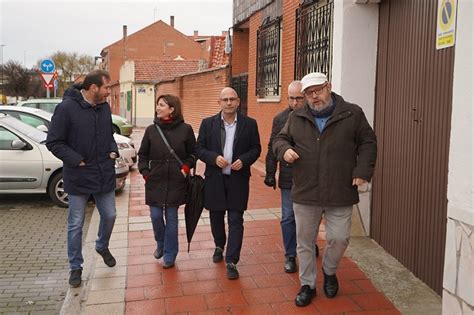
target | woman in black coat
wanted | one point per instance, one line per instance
(165, 176)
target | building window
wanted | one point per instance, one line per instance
(314, 37)
(268, 59)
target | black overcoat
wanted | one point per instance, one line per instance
(165, 185)
(246, 147)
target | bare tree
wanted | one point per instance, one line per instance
(15, 79)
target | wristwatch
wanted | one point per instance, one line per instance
(113, 155)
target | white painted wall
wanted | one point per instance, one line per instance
(354, 65)
(355, 53)
(143, 97)
(458, 284)
(461, 155)
(145, 102)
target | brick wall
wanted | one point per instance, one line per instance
(240, 52)
(199, 93)
(265, 111)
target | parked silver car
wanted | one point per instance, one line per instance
(41, 120)
(27, 166)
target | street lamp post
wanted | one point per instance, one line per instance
(2, 74)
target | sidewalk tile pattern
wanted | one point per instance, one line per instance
(198, 286)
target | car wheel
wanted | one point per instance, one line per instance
(56, 191)
(116, 129)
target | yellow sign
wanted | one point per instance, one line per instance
(446, 25)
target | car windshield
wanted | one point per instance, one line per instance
(25, 129)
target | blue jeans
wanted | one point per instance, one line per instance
(105, 203)
(287, 223)
(166, 233)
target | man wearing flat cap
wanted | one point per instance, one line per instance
(333, 150)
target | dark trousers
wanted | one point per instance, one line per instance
(235, 220)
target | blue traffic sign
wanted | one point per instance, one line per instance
(47, 66)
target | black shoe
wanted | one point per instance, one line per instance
(232, 272)
(305, 296)
(330, 285)
(75, 278)
(290, 265)
(158, 253)
(109, 260)
(218, 257)
(316, 247)
(168, 265)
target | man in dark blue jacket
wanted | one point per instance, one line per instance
(81, 135)
(229, 144)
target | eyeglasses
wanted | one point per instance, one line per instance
(295, 98)
(229, 99)
(317, 90)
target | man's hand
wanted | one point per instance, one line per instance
(237, 165)
(362, 184)
(221, 162)
(290, 156)
(358, 181)
(270, 181)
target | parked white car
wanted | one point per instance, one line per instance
(119, 124)
(41, 120)
(27, 166)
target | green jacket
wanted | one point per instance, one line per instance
(346, 149)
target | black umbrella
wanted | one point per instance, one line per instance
(194, 204)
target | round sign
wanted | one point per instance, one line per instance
(47, 66)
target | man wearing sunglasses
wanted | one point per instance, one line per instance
(333, 150)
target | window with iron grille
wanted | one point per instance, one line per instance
(268, 59)
(314, 36)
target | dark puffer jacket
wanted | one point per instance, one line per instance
(328, 161)
(166, 185)
(284, 177)
(82, 132)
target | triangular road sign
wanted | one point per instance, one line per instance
(47, 77)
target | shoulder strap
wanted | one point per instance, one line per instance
(168, 145)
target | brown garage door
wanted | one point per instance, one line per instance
(412, 122)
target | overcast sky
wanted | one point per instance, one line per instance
(32, 30)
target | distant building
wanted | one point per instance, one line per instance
(137, 85)
(159, 42)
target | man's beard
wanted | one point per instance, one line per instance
(320, 107)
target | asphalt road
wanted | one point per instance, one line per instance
(33, 257)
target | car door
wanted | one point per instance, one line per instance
(19, 168)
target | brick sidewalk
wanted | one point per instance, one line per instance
(198, 286)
